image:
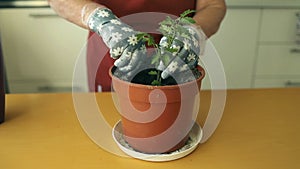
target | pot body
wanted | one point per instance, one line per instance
(157, 119)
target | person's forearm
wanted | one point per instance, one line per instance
(209, 15)
(72, 10)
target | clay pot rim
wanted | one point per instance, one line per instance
(150, 87)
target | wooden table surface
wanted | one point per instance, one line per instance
(260, 129)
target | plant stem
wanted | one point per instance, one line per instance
(158, 76)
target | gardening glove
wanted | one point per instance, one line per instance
(120, 38)
(182, 54)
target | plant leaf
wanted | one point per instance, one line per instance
(156, 83)
(188, 20)
(166, 59)
(155, 58)
(172, 50)
(167, 21)
(152, 72)
(187, 12)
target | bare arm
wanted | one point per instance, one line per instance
(209, 15)
(71, 10)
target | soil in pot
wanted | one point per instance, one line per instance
(143, 77)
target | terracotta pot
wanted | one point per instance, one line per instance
(157, 119)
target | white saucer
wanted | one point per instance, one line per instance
(195, 136)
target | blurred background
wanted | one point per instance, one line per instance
(258, 44)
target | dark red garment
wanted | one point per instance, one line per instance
(133, 13)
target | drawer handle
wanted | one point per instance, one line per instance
(295, 50)
(292, 84)
(43, 15)
(47, 88)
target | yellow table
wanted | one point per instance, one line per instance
(259, 129)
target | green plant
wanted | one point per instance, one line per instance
(169, 28)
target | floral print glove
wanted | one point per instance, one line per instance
(182, 54)
(120, 38)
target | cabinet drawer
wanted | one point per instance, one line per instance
(243, 3)
(280, 82)
(278, 60)
(39, 45)
(279, 25)
(236, 43)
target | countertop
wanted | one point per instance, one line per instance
(259, 129)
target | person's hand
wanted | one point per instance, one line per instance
(120, 38)
(182, 54)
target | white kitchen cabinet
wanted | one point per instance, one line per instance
(281, 3)
(278, 58)
(236, 43)
(276, 82)
(40, 49)
(243, 3)
(279, 25)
